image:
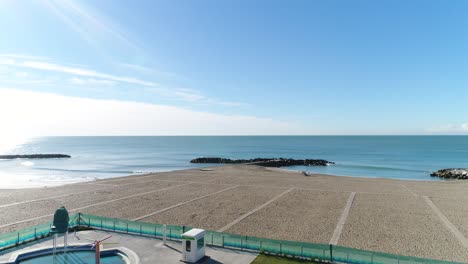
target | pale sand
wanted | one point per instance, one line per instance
(386, 215)
(216, 211)
(300, 215)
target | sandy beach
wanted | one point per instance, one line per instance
(417, 218)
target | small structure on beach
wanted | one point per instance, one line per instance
(193, 245)
(60, 226)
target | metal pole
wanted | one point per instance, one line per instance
(155, 231)
(223, 240)
(17, 240)
(35, 236)
(347, 257)
(331, 253)
(211, 238)
(302, 251)
(127, 228)
(260, 245)
(89, 221)
(113, 223)
(140, 229)
(372, 258)
(101, 224)
(281, 248)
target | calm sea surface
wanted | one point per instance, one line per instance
(400, 157)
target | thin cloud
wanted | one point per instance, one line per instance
(22, 56)
(450, 129)
(83, 76)
(90, 81)
(58, 115)
(148, 70)
(91, 25)
(48, 66)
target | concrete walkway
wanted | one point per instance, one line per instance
(149, 250)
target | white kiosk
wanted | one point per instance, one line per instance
(193, 245)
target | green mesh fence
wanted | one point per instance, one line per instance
(141, 228)
(31, 233)
(212, 238)
(288, 248)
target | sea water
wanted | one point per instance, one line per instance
(398, 157)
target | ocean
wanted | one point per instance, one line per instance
(397, 157)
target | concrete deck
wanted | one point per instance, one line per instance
(149, 250)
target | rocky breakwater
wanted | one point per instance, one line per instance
(35, 156)
(265, 162)
(461, 174)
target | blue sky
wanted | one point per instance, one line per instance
(296, 67)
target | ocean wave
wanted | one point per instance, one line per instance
(376, 167)
(27, 163)
(86, 171)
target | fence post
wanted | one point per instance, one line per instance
(331, 253)
(211, 238)
(347, 257)
(89, 221)
(155, 231)
(101, 224)
(241, 243)
(223, 240)
(398, 259)
(246, 244)
(140, 230)
(261, 245)
(35, 236)
(372, 258)
(281, 248)
(127, 227)
(302, 251)
(170, 233)
(17, 240)
(323, 254)
(79, 219)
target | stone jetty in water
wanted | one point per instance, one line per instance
(36, 156)
(461, 174)
(265, 162)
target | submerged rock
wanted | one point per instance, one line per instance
(35, 156)
(461, 174)
(265, 162)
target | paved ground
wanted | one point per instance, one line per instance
(418, 218)
(149, 250)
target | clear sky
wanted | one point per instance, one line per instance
(108, 67)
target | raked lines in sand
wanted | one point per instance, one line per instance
(447, 223)
(342, 221)
(254, 210)
(182, 203)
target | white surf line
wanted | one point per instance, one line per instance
(342, 221)
(92, 205)
(101, 184)
(70, 194)
(182, 203)
(408, 189)
(447, 223)
(254, 210)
